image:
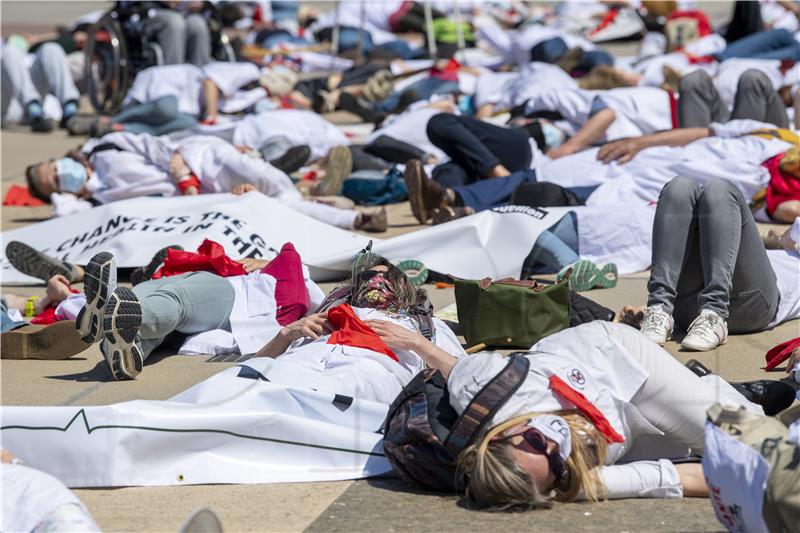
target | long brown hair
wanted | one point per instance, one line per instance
(495, 482)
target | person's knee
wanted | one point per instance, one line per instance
(172, 22)
(694, 82)
(166, 107)
(438, 125)
(50, 52)
(715, 192)
(754, 81)
(680, 189)
(196, 27)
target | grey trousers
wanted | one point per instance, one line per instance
(708, 254)
(183, 38)
(188, 303)
(700, 104)
(21, 85)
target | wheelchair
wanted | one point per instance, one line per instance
(118, 47)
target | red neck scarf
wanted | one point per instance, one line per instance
(587, 408)
(352, 331)
(210, 257)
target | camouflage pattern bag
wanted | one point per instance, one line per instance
(424, 434)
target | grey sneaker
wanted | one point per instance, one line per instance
(99, 281)
(706, 332)
(657, 324)
(34, 263)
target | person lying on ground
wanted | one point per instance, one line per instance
(121, 165)
(596, 396)
(711, 273)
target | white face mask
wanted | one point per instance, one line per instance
(556, 429)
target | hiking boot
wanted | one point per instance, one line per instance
(773, 396)
(374, 221)
(51, 342)
(145, 273)
(34, 263)
(99, 281)
(338, 168)
(706, 332)
(657, 324)
(294, 158)
(424, 194)
(121, 322)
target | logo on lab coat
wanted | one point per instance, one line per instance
(577, 378)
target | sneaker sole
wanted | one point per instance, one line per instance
(584, 276)
(339, 167)
(692, 348)
(100, 279)
(123, 317)
(36, 264)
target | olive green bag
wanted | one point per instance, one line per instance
(511, 313)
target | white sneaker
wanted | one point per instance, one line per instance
(657, 324)
(706, 332)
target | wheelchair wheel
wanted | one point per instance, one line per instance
(106, 67)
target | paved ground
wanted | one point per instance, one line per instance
(343, 506)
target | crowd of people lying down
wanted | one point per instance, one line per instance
(692, 143)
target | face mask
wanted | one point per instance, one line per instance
(553, 136)
(376, 292)
(71, 175)
(556, 429)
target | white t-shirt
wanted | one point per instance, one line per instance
(787, 271)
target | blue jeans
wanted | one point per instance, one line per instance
(159, 117)
(771, 44)
(551, 50)
(425, 88)
(6, 323)
(555, 248)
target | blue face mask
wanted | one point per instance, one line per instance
(553, 136)
(71, 175)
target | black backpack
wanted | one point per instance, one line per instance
(424, 434)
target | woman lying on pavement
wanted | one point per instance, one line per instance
(597, 395)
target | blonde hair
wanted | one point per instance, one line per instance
(603, 77)
(494, 481)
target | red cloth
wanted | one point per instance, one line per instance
(780, 353)
(448, 73)
(18, 195)
(352, 331)
(585, 406)
(611, 15)
(291, 294)
(673, 109)
(210, 257)
(191, 181)
(782, 187)
(48, 316)
(703, 25)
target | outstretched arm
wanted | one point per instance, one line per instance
(590, 132)
(624, 150)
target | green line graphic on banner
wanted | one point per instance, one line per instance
(89, 430)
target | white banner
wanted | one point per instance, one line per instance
(492, 243)
(265, 421)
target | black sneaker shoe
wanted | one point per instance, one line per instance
(294, 158)
(145, 273)
(121, 322)
(39, 265)
(773, 396)
(41, 124)
(99, 281)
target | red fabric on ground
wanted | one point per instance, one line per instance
(210, 257)
(782, 187)
(352, 331)
(48, 316)
(780, 353)
(291, 294)
(18, 195)
(587, 408)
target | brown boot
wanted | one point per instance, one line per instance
(55, 341)
(424, 194)
(447, 213)
(374, 221)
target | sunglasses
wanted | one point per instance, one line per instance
(555, 463)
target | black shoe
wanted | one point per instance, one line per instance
(145, 273)
(99, 281)
(34, 263)
(350, 103)
(41, 124)
(294, 158)
(698, 368)
(773, 396)
(121, 322)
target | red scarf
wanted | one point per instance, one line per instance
(585, 406)
(780, 353)
(291, 294)
(782, 186)
(210, 257)
(352, 331)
